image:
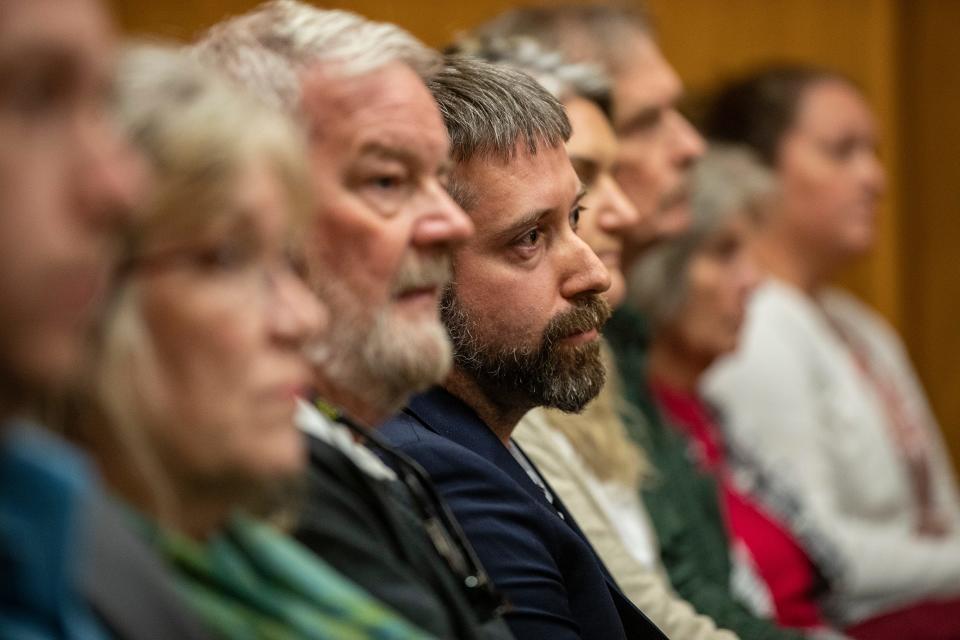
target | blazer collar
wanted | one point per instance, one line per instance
(450, 417)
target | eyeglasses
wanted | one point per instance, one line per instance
(240, 267)
(441, 526)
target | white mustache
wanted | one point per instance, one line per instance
(422, 273)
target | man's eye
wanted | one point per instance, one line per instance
(386, 189)
(653, 120)
(726, 249)
(387, 181)
(37, 95)
(845, 148)
(643, 123)
(530, 238)
(575, 216)
(225, 257)
(297, 263)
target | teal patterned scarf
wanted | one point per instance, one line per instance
(252, 581)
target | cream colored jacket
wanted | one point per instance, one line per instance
(797, 407)
(575, 484)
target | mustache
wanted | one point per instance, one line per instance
(591, 312)
(422, 272)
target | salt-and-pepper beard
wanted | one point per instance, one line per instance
(378, 356)
(548, 374)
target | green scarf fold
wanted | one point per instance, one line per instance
(252, 581)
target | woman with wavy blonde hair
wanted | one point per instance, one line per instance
(200, 358)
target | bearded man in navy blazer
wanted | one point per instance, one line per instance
(524, 313)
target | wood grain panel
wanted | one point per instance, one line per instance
(904, 53)
(707, 40)
(856, 37)
(931, 213)
(435, 23)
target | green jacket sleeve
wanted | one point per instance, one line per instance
(693, 548)
(683, 502)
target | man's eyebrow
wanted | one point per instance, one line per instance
(396, 153)
(522, 224)
(639, 120)
(586, 168)
(24, 50)
(388, 152)
(29, 58)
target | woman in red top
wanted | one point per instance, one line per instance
(695, 291)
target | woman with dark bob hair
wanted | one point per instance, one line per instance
(821, 395)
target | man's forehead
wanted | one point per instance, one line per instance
(834, 105)
(403, 146)
(392, 86)
(67, 28)
(508, 191)
(400, 140)
(593, 136)
(386, 112)
(647, 80)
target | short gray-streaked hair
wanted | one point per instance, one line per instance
(562, 78)
(583, 32)
(490, 110)
(266, 49)
(727, 181)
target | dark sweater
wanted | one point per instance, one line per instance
(370, 530)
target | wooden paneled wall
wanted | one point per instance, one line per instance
(904, 53)
(930, 206)
(857, 37)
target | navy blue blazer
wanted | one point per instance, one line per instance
(536, 555)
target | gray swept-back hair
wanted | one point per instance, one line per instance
(266, 49)
(583, 32)
(562, 78)
(729, 180)
(491, 109)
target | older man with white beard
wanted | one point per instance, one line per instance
(379, 254)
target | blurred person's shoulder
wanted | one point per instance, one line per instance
(44, 487)
(77, 562)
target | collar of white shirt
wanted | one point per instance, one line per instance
(310, 421)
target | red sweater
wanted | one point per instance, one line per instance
(777, 556)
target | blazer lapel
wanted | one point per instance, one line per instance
(448, 416)
(571, 521)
